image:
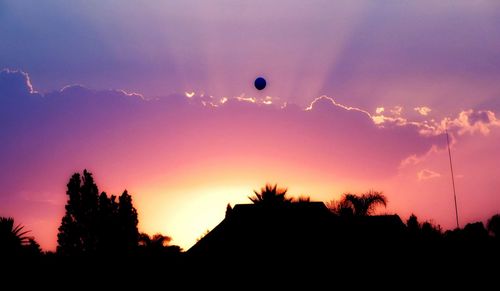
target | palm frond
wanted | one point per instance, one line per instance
(270, 194)
(360, 205)
(14, 233)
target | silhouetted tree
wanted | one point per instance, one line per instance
(12, 237)
(365, 204)
(359, 205)
(79, 226)
(270, 195)
(422, 231)
(127, 222)
(157, 241)
(157, 245)
(89, 209)
(494, 226)
(475, 232)
(413, 225)
(108, 223)
(430, 231)
(341, 207)
(96, 223)
(69, 238)
(33, 248)
(14, 241)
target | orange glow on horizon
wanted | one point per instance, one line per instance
(193, 204)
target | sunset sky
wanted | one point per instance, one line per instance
(157, 97)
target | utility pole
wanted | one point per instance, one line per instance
(452, 177)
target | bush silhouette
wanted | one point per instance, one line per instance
(494, 226)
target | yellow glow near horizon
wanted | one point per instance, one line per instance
(186, 213)
(184, 204)
(187, 219)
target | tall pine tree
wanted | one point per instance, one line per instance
(89, 218)
(69, 238)
(96, 224)
(127, 217)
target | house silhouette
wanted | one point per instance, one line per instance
(301, 230)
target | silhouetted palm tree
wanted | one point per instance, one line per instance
(13, 233)
(12, 238)
(341, 207)
(157, 241)
(359, 205)
(365, 204)
(157, 244)
(270, 195)
(32, 248)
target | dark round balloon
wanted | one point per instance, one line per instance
(260, 83)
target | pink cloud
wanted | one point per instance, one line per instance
(423, 110)
(426, 174)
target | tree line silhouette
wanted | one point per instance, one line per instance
(96, 224)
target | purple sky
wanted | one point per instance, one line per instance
(366, 53)
(395, 73)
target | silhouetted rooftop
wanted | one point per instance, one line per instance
(303, 228)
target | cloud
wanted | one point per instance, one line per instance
(334, 137)
(423, 110)
(332, 101)
(397, 110)
(15, 83)
(467, 121)
(470, 121)
(427, 174)
(335, 131)
(415, 159)
(394, 118)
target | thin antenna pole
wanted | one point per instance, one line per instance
(452, 177)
